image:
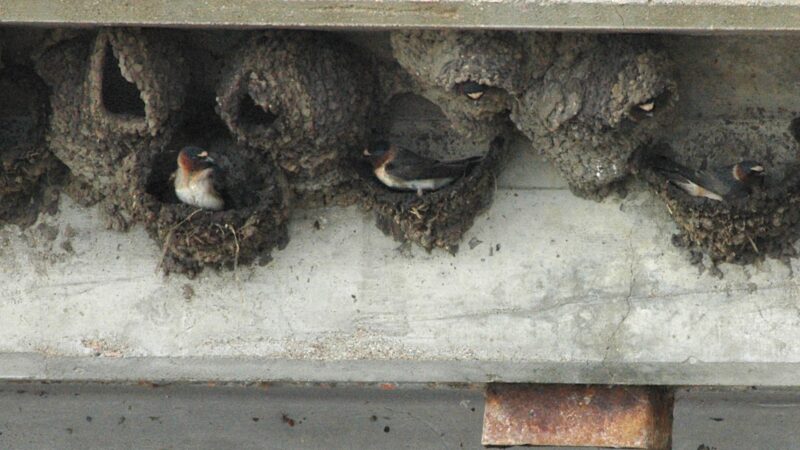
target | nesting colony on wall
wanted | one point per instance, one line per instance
(293, 111)
(305, 98)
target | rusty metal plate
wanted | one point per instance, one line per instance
(578, 415)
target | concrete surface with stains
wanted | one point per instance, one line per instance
(635, 15)
(146, 416)
(590, 292)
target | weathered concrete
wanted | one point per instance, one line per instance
(589, 292)
(633, 15)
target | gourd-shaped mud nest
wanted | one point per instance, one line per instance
(306, 99)
(116, 94)
(472, 76)
(251, 224)
(27, 168)
(437, 218)
(742, 227)
(592, 101)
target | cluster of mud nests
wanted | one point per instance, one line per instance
(287, 115)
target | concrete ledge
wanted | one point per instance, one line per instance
(547, 288)
(607, 15)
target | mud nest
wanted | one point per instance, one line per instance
(584, 110)
(742, 230)
(437, 218)
(28, 169)
(440, 62)
(252, 224)
(305, 98)
(115, 93)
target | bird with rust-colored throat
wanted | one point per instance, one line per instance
(198, 179)
(720, 184)
(402, 169)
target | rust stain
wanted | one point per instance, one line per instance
(578, 415)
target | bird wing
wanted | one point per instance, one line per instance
(408, 165)
(695, 182)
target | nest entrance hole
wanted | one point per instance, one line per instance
(119, 95)
(416, 123)
(794, 128)
(254, 115)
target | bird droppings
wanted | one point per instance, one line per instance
(287, 420)
(187, 291)
(741, 230)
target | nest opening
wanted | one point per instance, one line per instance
(119, 95)
(650, 107)
(254, 116)
(794, 128)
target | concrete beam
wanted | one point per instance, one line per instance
(605, 15)
(589, 293)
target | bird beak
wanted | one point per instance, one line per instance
(202, 155)
(475, 95)
(366, 152)
(757, 169)
(647, 107)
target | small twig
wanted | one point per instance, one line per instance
(168, 240)
(236, 256)
(755, 247)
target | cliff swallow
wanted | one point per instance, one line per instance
(402, 169)
(473, 90)
(198, 179)
(720, 184)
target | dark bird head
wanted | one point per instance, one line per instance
(194, 158)
(379, 153)
(748, 172)
(473, 90)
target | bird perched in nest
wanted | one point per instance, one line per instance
(198, 179)
(402, 169)
(720, 184)
(473, 90)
